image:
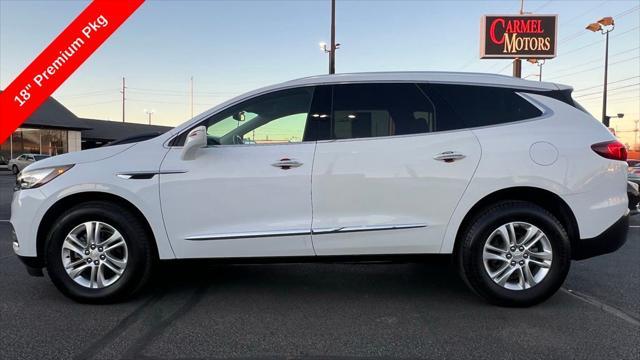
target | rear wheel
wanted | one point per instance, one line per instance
(514, 253)
(99, 252)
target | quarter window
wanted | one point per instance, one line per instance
(483, 105)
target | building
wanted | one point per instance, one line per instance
(53, 129)
(100, 132)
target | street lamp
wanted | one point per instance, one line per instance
(538, 62)
(327, 49)
(149, 112)
(605, 26)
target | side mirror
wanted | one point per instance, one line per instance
(196, 139)
(239, 116)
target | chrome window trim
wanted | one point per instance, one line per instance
(184, 127)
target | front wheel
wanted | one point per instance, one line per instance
(514, 253)
(98, 252)
(15, 170)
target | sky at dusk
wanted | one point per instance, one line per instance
(230, 47)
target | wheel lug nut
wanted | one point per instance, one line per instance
(96, 262)
(87, 252)
(102, 257)
(509, 256)
(93, 247)
(525, 255)
(100, 248)
(513, 248)
(89, 261)
(521, 248)
(521, 262)
(513, 263)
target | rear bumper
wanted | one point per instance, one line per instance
(609, 241)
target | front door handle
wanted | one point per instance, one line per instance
(286, 163)
(449, 156)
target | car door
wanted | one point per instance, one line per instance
(390, 172)
(248, 193)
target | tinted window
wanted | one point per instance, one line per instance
(278, 117)
(484, 105)
(370, 110)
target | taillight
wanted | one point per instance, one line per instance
(613, 150)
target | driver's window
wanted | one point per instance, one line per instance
(275, 118)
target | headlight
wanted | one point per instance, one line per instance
(36, 178)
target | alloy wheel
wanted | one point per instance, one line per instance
(517, 255)
(94, 254)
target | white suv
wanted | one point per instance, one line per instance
(510, 176)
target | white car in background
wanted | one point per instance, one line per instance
(16, 165)
(510, 176)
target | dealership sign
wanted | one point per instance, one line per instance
(518, 36)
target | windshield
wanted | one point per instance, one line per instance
(40, 157)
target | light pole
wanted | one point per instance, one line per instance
(331, 49)
(605, 26)
(149, 113)
(538, 62)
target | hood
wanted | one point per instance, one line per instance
(79, 157)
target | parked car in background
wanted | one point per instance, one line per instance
(384, 165)
(633, 173)
(633, 193)
(16, 165)
(633, 163)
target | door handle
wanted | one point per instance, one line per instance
(449, 156)
(286, 164)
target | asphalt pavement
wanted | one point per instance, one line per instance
(336, 311)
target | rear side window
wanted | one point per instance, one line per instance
(374, 110)
(484, 105)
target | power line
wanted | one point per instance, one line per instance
(614, 35)
(573, 67)
(609, 83)
(610, 90)
(594, 68)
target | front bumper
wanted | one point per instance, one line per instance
(33, 263)
(609, 241)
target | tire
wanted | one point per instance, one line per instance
(137, 251)
(15, 170)
(475, 261)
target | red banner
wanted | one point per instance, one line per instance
(60, 59)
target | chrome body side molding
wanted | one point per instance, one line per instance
(297, 232)
(346, 229)
(247, 235)
(139, 175)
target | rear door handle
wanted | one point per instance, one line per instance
(449, 156)
(286, 163)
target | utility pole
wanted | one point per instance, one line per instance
(332, 53)
(149, 112)
(123, 97)
(192, 96)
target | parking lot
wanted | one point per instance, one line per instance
(339, 311)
